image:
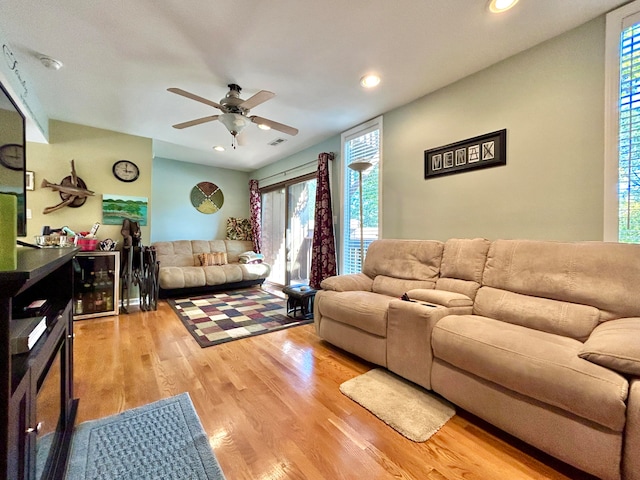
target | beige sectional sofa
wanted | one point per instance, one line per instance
(541, 339)
(181, 271)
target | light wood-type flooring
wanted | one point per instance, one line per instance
(272, 409)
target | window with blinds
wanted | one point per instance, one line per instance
(361, 144)
(629, 136)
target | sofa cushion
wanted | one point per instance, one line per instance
(235, 247)
(537, 364)
(342, 283)
(175, 254)
(562, 318)
(219, 274)
(181, 277)
(615, 344)
(591, 273)
(404, 259)
(464, 258)
(254, 271)
(395, 287)
(462, 265)
(367, 311)
(465, 287)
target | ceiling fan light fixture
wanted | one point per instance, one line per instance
(234, 122)
(370, 80)
(499, 6)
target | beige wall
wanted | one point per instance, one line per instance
(94, 151)
(550, 100)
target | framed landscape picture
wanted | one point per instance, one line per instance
(489, 150)
(115, 208)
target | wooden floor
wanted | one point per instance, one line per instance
(272, 409)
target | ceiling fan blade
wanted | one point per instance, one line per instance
(198, 121)
(192, 96)
(260, 97)
(281, 127)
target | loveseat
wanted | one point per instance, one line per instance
(182, 270)
(541, 339)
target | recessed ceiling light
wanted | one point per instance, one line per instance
(499, 6)
(369, 81)
(219, 148)
(262, 126)
(50, 63)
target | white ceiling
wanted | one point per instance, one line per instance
(120, 57)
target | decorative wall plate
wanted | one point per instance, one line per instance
(68, 182)
(207, 197)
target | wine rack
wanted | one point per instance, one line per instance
(96, 284)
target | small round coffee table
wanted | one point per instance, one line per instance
(299, 297)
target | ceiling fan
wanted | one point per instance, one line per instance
(235, 111)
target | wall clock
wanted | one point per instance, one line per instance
(126, 171)
(12, 156)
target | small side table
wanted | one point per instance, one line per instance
(299, 297)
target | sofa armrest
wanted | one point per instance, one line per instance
(345, 283)
(409, 328)
(440, 297)
(630, 457)
(614, 344)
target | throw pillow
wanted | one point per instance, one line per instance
(614, 344)
(213, 258)
(239, 229)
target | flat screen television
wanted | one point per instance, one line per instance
(12, 155)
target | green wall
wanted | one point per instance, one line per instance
(175, 218)
(551, 101)
(296, 165)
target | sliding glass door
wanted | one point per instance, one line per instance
(287, 229)
(273, 233)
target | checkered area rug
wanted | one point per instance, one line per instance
(226, 316)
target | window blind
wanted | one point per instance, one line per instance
(629, 136)
(361, 145)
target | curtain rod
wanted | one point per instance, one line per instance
(289, 170)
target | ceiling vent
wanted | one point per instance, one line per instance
(277, 142)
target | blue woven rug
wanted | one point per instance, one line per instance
(161, 440)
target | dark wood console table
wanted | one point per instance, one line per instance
(36, 388)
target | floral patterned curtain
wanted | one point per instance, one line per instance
(323, 249)
(256, 215)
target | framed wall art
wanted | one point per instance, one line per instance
(489, 150)
(115, 208)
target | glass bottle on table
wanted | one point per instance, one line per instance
(86, 293)
(78, 304)
(90, 303)
(99, 302)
